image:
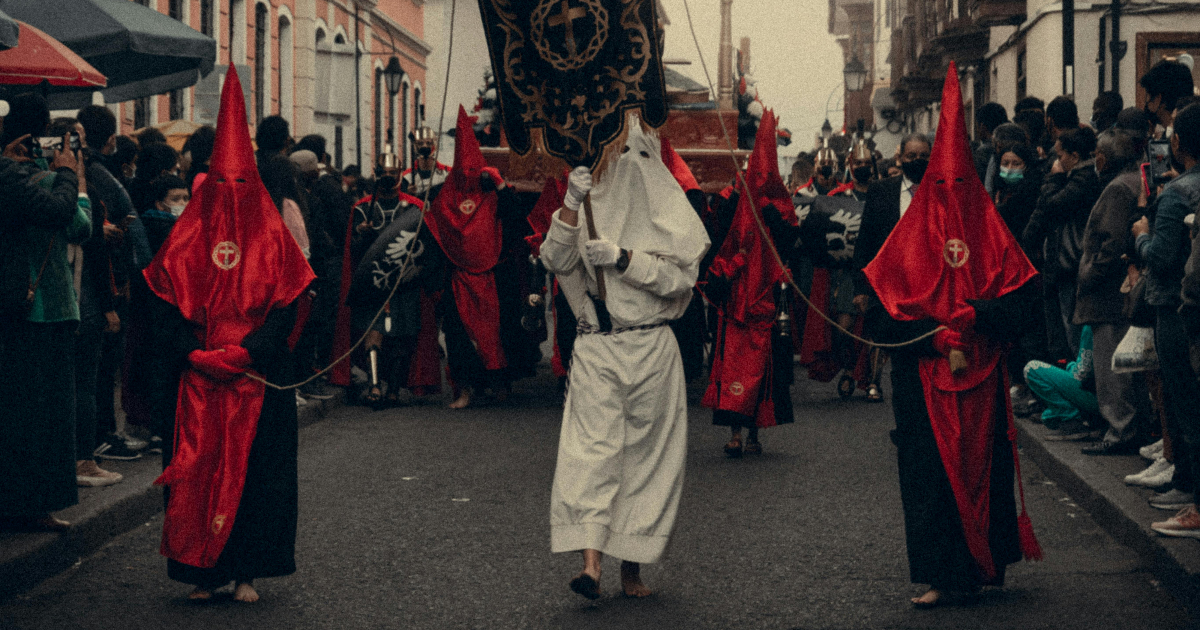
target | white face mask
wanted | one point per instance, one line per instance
(176, 210)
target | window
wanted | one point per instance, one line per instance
(286, 69)
(175, 9)
(404, 122)
(206, 17)
(175, 104)
(141, 112)
(261, 85)
(418, 108)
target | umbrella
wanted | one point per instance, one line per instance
(141, 51)
(39, 59)
(8, 31)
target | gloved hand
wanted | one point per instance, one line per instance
(601, 253)
(717, 289)
(579, 183)
(222, 364)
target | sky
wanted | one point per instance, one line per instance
(795, 60)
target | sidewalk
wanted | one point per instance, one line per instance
(100, 515)
(1096, 484)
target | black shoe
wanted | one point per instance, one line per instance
(114, 448)
(316, 391)
(156, 445)
(1128, 447)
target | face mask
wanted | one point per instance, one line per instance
(424, 151)
(176, 210)
(863, 174)
(1012, 175)
(386, 182)
(915, 169)
(825, 171)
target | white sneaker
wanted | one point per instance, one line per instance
(1152, 472)
(300, 402)
(134, 444)
(93, 476)
(1151, 451)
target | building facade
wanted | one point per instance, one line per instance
(317, 63)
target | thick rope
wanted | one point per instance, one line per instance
(758, 220)
(412, 243)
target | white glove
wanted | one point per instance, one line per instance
(601, 253)
(579, 183)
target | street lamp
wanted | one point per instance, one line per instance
(855, 74)
(393, 74)
(826, 131)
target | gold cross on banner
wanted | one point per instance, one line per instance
(567, 19)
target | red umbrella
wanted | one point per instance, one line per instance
(39, 57)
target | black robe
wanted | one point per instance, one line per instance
(263, 541)
(937, 547)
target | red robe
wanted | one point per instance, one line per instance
(741, 377)
(228, 262)
(539, 220)
(464, 221)
(949, 247)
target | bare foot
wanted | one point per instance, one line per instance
(631, 580)
(245, 593)
(200, 594)
(928, 600)
(463, 401)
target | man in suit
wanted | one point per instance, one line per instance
(886, 201)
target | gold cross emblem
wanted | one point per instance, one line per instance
(955, 253)
(467, 206)
(567, 18)
(736, 389)
(226, 255)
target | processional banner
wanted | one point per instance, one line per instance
(574, 68)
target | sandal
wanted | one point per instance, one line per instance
(734, 448)
(874, 394)
(753, 447)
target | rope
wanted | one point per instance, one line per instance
(412, 243)
(762, 228)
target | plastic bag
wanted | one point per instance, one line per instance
(1136, 351)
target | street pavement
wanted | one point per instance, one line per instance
(423, 517)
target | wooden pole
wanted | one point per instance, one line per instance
(591, 227)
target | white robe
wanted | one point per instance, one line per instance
(623, 442)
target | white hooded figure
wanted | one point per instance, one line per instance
(624, 433)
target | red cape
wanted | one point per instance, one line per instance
(540, 217)
(742, 384)
(464, 221)
(228, 262)
(949, 247)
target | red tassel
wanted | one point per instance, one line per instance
(1029, 542)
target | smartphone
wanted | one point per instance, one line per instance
(45, 144)
(1159, 154)
(1145, 166)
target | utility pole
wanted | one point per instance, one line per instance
(1116, 46)
(357, 92)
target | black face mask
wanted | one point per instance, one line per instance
(862, 174)
(385, 183)
(424, 151)
(825, 171)
(915, 169)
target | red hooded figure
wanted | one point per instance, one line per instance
(228, 262)
(951, 246)
(742, 371)
(463, 219)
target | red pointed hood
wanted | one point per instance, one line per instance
(468, 158)
(543, 211)
(951, 244)
(762, 171)
(230, 258)
(463, 217)
(679, 169)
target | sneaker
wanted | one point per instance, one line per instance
(97, 478)
(1153, 471)
(1151, 451)
(155, 445)
(114, 448)
(134, 444)
(300, 402)
(1185, 523)
(1161, 479)
(1172, 499)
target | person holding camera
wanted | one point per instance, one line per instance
(45, 207)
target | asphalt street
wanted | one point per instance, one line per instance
(423, 517)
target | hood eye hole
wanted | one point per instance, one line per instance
(625, 150)
(644, 154)
(240, 180)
